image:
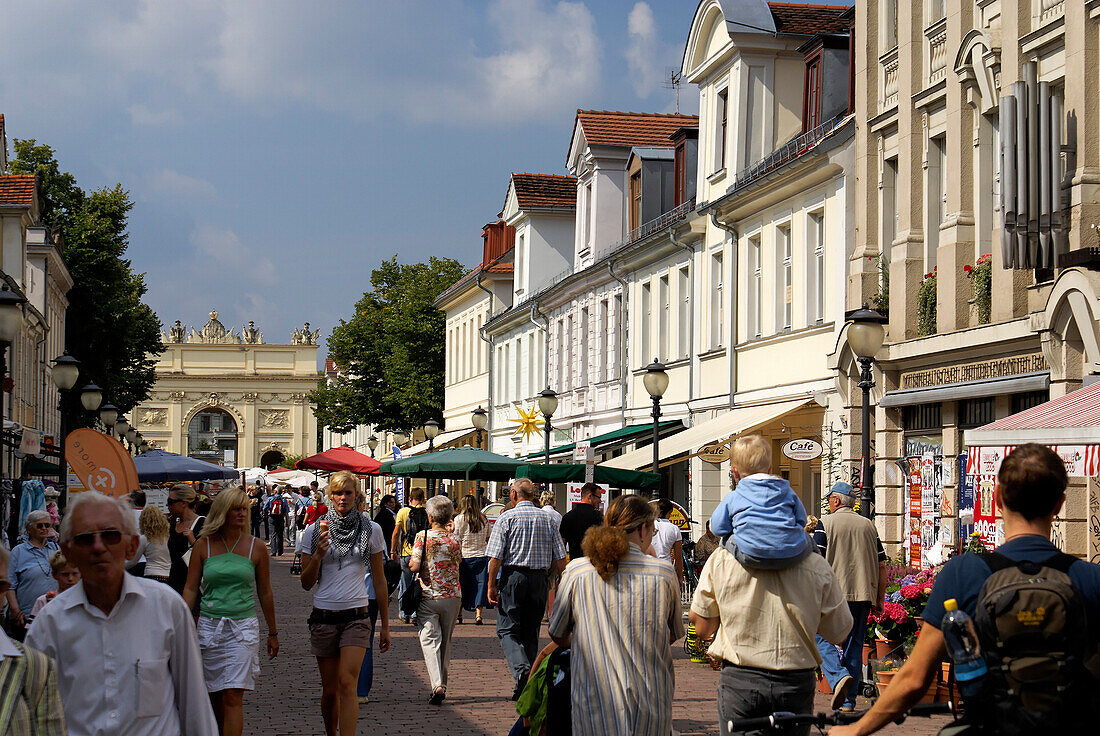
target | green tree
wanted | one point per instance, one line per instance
(108, 328)
(391, 352)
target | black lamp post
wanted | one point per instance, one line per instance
(548, 404)
(656, 382)
(66, 369)
(480, 419)
(11, 323)
(372, 445)
(431, 431)
(865, 336)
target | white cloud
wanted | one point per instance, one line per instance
(224, 250)
(173, 183)
(141, 115)
(643, 52)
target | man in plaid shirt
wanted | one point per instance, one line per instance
(526, 549)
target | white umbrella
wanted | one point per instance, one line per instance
(296, 478)
(253, 475)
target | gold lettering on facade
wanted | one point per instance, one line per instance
(985, 370)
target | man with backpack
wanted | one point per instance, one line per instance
(410, 521)
(277, 509)
(1036, 612)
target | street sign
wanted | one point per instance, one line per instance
(805, 449)
(583, 452)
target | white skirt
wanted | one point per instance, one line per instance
(230, 652)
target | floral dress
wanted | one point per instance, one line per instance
(441, 561)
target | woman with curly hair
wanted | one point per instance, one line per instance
(619, 610)
(153, 525)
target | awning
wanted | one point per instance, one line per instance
(443, 441)
(37, 466)
(571, 473)
(1073, 419)
(340, 458)
(616, 438)
(737, 421)
(967, 390)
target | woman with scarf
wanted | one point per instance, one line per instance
(338, 550)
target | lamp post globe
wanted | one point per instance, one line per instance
(131, 435)
(865, 337)
(480, 419)
(91, 396)
(431, 430)
(372, 444)
(11, 314)
(121, 425)
(866, 332)
(66, 369)
(108, 413)
(548, 404)
(400, 437)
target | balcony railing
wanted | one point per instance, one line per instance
(788, 151)
(937, 50)
(889, 65)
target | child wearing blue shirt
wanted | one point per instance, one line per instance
(762, 522)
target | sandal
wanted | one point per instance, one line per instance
(437, 697)
(477, 621)
(459, 620)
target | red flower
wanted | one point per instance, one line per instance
(895, 612)
(911, 591)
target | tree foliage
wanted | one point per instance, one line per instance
(108, 328)
(391, 352)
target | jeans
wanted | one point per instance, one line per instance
(437, 617)
(522, 592)
(405, 582)
(366, 671)
(834, 664)
(255, 527)
(768, 563)
(748, 692)
(277, 535)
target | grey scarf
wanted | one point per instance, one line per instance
(345, 533)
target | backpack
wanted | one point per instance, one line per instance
(1031, 622)
(416, 523)
(277, 506)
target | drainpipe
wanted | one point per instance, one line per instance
(691, 317)
(488, 363)
(546, 338)
(733, 302)
(624, 366)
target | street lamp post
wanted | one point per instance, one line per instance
(480, 419)
(431, 431)
(865, 336)
(108, 413)
(11, 323)
(372, 445)
(91, 396)
(655, 382)
(121, 425)
(548, 404)
(66, 369)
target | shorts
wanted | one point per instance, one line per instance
(325, 640)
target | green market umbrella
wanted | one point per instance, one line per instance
(569, 473)
(455, 463)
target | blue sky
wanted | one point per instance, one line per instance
(278, 151)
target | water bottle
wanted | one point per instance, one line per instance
(962, 645)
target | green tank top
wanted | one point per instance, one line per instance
(227, 583)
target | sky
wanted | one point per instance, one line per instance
(278, 151)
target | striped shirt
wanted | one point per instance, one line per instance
(623, 629)
(525, 536)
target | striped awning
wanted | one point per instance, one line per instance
(1073, 419)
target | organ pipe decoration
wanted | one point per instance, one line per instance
(1032, 232)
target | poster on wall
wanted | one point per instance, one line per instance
(914, 511)
(929, 508)
(983, 466)
(573, 495)
(966, 501)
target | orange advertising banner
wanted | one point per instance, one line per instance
(101, 463)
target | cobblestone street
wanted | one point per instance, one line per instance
(478, 699)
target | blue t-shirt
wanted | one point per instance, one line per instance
(962, 577)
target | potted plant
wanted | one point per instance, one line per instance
(890, 628)
(981, 287)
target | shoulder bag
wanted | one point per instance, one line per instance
(414, 594)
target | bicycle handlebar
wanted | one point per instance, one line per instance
(776, 721)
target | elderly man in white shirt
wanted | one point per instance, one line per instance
(127, 655)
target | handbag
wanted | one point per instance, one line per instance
(414, 594)
(392, 571)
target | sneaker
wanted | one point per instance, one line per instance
(363, 699)
(840, 692)
(519, 687)
(436, 698)
(847, 709)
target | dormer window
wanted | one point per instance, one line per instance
(811, 93)
(721, 118)
(635, 199)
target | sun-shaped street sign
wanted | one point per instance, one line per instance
(528, 422)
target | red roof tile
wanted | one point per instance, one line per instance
(17, 189)
(809, 20)
(545, 190)
(608, 128)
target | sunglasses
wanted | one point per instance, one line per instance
(110, 537)
(44, 525)
(174, 500)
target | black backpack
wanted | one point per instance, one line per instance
(416, 523)
(1033, 629)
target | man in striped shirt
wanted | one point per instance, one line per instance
(526, 550)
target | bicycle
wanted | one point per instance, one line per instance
(779, 722)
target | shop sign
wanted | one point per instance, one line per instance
(803, 449)
(493, 511)
(679, 517)
(583, 452)
(715, 452)
(1082, 461)
(984, 370)
(573, 495)
(30, 444)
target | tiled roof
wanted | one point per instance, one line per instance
(545, 190)
(809, 20)
(470, 276)
(607, 128)
(17, 189)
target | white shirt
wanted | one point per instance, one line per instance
(667, 535)
(553, 514)
(341, 584)
(134, 672)
(7, 649)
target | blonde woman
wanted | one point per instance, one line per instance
(230, 566)
(337, 553)
(153, 525)
(185, 526)
(472, 532)
(625, 682)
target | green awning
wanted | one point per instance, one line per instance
(38, 466)
(570, 473)
(455, 463)
(620, 436)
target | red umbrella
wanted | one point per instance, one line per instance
(340, 458)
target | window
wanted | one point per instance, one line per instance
(584, 348)
(480, 346)
(683, 316)
(204, 422)
(604, 371)
(635, 199)
(889, 206)
(785, 286)
(664, 317)
(588, 217)
(937, 10)
(756, 288)
(615, 347)
(645, 307)
(889, 24)
(716, 302)
(567, 382)
(521, 257)
(506, 364)
(560, 362)
(934, 199)
(1028, 400)
(679, 174)
(815, 259)
(976, 412)
(721, 116)
(811, 93)
(921, 418)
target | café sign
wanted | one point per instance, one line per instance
(803, 449)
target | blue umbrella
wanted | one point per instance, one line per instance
(159, 466)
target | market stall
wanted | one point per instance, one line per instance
(340, 458)
(601, 475)
(161, 466)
